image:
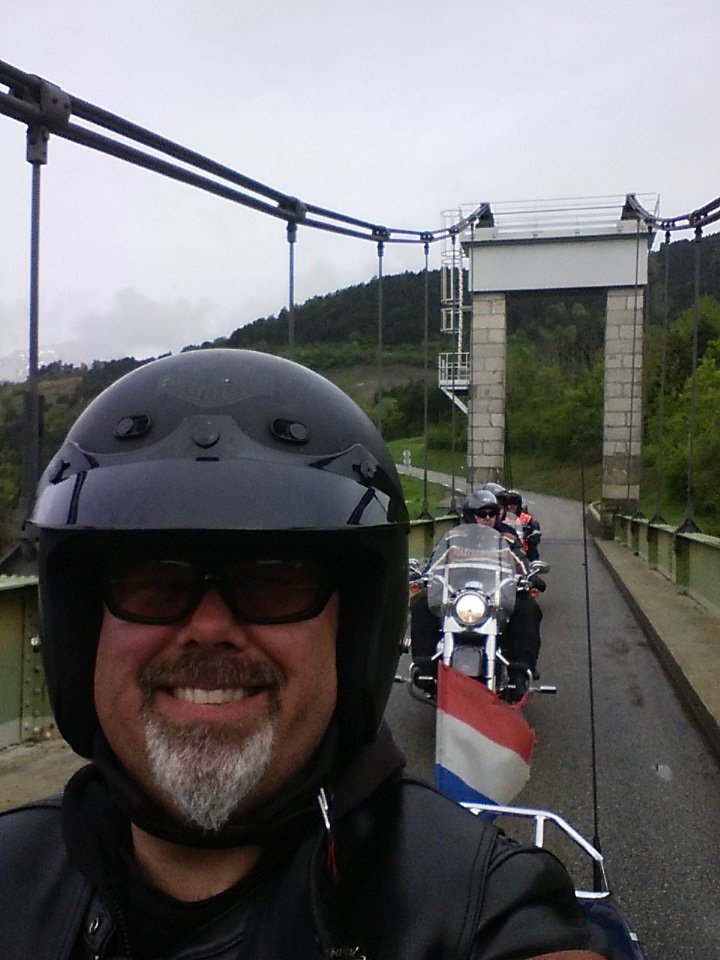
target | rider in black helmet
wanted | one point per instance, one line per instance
(223, 566)
(479, 502)
(498, 491)
(522, 639)
(531, 533)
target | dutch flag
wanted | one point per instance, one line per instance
(483, 746)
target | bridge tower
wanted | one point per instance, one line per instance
(560, 245)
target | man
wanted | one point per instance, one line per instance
(484, 504)
(529, 526)
(223, 575)
(521, 643)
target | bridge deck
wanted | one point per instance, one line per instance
(684, 635)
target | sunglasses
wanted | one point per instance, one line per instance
(262, 591)
(486, 514)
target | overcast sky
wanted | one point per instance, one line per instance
(389, 110)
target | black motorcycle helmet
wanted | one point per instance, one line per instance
(513, 496)
(479, 500)
(500, 494)
(223, 450)
(497, 489)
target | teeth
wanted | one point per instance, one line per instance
(195, 695)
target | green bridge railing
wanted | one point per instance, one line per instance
(689, 560)
(24, 706)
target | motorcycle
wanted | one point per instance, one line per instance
(470, 590)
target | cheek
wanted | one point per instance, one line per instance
(119, 658)
(311, 671)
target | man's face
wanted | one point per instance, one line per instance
(486, 518)
(210, 705)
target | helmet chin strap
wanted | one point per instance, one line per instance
(291, 813)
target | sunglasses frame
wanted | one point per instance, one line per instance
(206, 576)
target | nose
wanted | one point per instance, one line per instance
(212, 623)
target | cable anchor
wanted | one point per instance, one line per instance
(295, 209)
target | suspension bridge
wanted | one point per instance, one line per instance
(661, 781)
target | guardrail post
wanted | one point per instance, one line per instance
(652, 536)
(682, 562)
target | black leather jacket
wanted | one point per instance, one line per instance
(417, 877)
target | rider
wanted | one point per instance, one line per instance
(522, 635)
(522, 640)
(530, 527)
(475, 502)
(505, 515)
(223, 564)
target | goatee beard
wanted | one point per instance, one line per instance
(204, 773)
(207, 771)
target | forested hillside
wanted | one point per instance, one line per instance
(555, 355)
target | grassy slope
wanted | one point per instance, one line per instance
(528, 473)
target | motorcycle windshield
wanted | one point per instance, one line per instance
(472, 554)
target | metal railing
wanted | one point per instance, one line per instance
(540, 819)
(689, 560)
(454, 371)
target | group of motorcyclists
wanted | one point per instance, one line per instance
(495, 508)
(513, 513)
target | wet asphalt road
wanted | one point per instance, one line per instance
(658, 783)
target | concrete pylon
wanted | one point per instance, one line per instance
(622, 409)
(486, 407)
(560, 246)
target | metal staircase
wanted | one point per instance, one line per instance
(453, 367)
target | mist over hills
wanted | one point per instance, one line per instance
(349, 316)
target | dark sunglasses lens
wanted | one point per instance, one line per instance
(151, 590)
(258, 591)
(485, 514)
(274, 590)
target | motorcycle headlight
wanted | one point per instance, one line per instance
(470, 609)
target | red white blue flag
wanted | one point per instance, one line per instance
(483, 746)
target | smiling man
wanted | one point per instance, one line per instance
(205, 693)
(223, 577)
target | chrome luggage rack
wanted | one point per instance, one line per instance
(541, 818)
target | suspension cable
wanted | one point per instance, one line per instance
(597, 878)
(701, 217)
(629, 465)
(425, 511)
(660, 461)
(688, 525)
(470, 455)
(456, 318)
(34, 100)
(37, 157)
(292, 239)
(380, 254)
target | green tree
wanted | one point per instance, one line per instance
(706, 447)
